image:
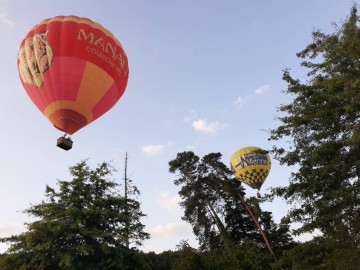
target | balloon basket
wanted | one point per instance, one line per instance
(64, 143)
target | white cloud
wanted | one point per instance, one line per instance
(262, 89)
(171, 230)
(203, 125)
(5, 20)
(12, 229)
(170, 203)
(152, 150)
(308, 236)
(190, 147)
(241, 101)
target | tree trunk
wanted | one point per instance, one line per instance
(257, 224)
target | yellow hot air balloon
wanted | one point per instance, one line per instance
(251, 165)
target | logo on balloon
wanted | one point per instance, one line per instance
(112, 56)
(249, 159)
(35, 58)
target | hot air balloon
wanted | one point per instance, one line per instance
(251, 166)
(73, 70)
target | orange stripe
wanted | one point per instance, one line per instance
(67, 104)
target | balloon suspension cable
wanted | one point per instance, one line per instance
(67, 135)
(257, 224)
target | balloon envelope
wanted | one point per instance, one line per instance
(251, 165)
(73, 69)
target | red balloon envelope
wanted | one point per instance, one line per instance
(73, 69)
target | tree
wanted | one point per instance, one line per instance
(189, 258)
(81, 226)
(199, 198)
(247, 256)
(162, 261)
(212, 206)
(131, 211)
(322, 122)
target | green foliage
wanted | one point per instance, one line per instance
(162, 261)
(321, 125)
(246, 256)
(189, 258)
(319, 254)
(124, 259)
(81, 226)
(309, 255)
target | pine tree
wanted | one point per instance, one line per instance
(212, 206)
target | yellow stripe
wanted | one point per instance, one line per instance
(94, 84)
(67, 104)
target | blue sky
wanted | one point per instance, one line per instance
(204, 76)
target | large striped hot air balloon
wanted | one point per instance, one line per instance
(73, 69)
(251, 166)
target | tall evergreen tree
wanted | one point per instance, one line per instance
(322, 122)
(84, 225)
(211, 204)
(200, 199)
